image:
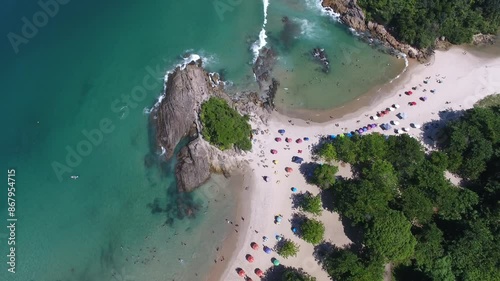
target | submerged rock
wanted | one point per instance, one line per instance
(320, 56)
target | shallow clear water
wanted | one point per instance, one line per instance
(355, 67)
(76, 74)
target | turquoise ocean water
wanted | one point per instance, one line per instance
(120, 219)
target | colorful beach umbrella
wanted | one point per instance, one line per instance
(241, 272)
(306, 138)
(277, 139)
(274, 151)
(276, 262)
(255, 246)
(288, 169)
(259, 272)
(250, 258)
(288, 139)
(298, 141)
(267, 250)
(281, 131)
(294, 189)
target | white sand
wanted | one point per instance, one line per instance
(466, 79)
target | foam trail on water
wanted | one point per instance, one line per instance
(261, 43)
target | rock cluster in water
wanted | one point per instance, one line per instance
(320, 56)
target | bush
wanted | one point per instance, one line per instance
(312, 231)
(224, 126)
(312, 204)
(288, 249)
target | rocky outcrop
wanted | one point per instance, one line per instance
(177, 112)
(483, 39)
(352, 15)
(177, 117)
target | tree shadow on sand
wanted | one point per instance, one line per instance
(327, 199)
(433, 133)
(307, 170)
(297, 199)
(297, 220)
(353, 231)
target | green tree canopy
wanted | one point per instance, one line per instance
(224, 126)
(312, 204)
(324, 175)
(288, 249)
(312, 231)
(389, 235)
(360, 200)
(344, 265)
(293, 274)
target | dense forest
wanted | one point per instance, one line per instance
(419, 23)
(406, 210)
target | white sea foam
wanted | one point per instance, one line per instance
(327, 11)
(206, 59)
(261, 43)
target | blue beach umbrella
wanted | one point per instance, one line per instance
(333, 136)
(267, 250)
(281, 131)
(294, 189)
(294, 229)
(306, 138)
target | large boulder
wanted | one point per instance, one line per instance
(193, 168)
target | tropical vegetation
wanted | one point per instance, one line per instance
(312, 231)
(419, 23)
(223, 126)
(288, 249)
(410, 214)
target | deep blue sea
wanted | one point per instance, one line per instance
(77, 80)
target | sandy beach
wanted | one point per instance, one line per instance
(454, 79)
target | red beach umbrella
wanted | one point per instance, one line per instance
(241, 272)
(250, 258)
(288, 139)
(288, 169)
(277, 139)
(255, 246)
(412, 103)
(274, 151)
(298, 141)
(259, 272)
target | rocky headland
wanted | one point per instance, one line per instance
(177, 118)
(352, 15)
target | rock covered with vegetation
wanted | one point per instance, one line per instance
(419, 23)
(177, 118)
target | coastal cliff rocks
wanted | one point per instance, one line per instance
(176, 113)
(177, 118)
(352, 15)
(483, 39)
